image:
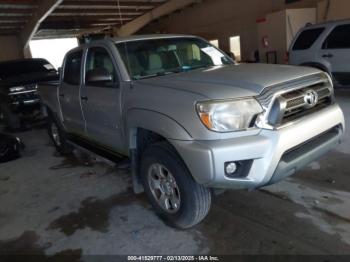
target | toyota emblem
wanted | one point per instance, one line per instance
(311, 98)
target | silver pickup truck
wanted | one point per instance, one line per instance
(190, 119)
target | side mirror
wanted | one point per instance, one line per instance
(98, 76)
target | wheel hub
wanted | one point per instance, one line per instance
(164, 188)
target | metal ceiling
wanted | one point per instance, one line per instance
(14, 14)
(72, 17)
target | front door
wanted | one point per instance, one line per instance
(336, 50)
(69, 94)
(101, 101)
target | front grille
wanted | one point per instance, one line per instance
(285, 102)
(296, 106)
(22, 97)
(298, 101)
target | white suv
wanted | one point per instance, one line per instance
(324, 46)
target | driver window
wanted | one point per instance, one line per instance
(99, 58)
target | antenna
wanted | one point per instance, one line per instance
(125, 44)
(120, 12)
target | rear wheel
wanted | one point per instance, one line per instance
(58, 136)
(173, 193)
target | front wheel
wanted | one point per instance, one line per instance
(58, 135)
(173, 193)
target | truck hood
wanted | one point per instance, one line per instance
(233, 81)
(28, 79)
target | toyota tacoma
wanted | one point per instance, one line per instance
(190, 119)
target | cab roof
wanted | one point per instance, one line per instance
(148, 37)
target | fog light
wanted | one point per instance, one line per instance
(231, 168)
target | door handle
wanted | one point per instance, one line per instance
(328, 56)
(61, 95)
(85, 98)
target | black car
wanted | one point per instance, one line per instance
(18, 88)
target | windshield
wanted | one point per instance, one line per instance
(156, 57)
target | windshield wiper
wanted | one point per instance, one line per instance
(159, 74)
(144, 77)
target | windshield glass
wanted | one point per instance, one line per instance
(156, 57)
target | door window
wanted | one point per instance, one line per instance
(339, 38)
(99, 58)
(307, 38)
(72, 69)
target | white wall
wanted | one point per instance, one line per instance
(280, 29)
(221, 19)
(274, 30)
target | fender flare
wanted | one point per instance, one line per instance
(156, 122)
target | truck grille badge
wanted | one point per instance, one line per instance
(311, 98)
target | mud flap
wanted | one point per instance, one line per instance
(135, 171)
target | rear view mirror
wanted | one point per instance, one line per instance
(98, 76)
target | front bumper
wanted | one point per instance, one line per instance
(275, 154)
(24, 101)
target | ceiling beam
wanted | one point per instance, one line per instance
(18, 2)
(11, 24)
(108, 4)
(97, 14)
(76, 25)
(16, 11)
(45, 8)
(83, 11)
(164, 9)
(14, 18)
(93, 18)
(8, 32)
(89, 19)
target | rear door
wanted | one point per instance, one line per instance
(69, 93)
(336, 50)
(101, 101)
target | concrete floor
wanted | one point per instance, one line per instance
(55, 205)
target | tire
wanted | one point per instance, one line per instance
(12, 122)
(189, 202)
(58, 136)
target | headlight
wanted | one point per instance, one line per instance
(17, 89)
(229, 116)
